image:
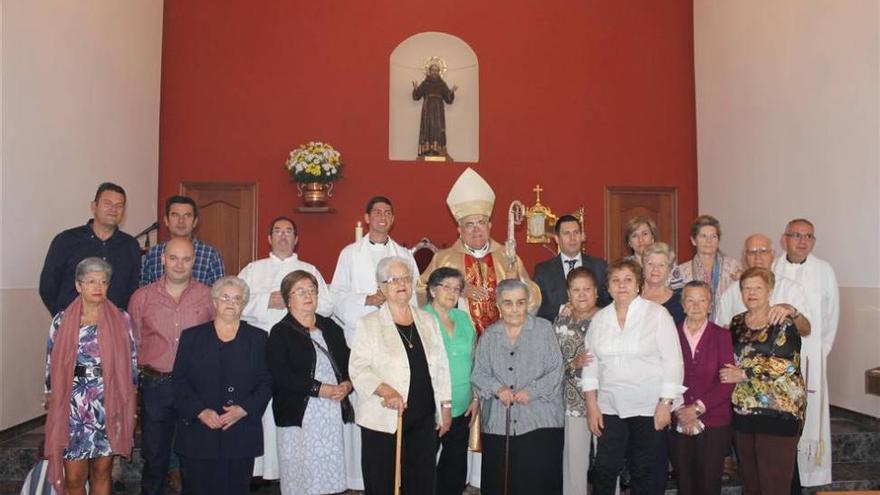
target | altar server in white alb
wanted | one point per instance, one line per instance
(266, 308)
(356, 294)
(820, 286)
(787, 299)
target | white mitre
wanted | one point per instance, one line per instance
(470, 195)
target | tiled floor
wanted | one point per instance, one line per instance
(856, 453)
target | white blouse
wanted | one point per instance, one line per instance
(634, 367)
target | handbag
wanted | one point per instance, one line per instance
(347, 408)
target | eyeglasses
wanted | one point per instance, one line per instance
(707, 237)
(758, 251)
(281, 232)
(402, 280)
(227, 299)
(475, 224)
(798, 236)
(304, 292)
(451, 288)
(94, 283)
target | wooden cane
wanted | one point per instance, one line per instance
(507, 450)
(398, 452)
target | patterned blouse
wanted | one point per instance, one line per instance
(571, 334)
(774, 389)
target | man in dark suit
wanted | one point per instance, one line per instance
(550, 275)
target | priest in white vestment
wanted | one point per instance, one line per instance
(820, 286)
(356, 294)
(787, 299)
(266, 307)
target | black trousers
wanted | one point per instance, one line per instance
(699, 460)
(417, 459)
(158, 420)
(216, 476)
(661, 465)
(452, 466)
(631, 442)
(535, 463)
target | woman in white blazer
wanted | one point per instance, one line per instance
(398, 365)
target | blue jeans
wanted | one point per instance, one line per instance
(158, 419)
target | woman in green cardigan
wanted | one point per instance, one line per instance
(444, 288)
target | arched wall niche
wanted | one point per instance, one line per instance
(407, 64)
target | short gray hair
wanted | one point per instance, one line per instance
(660, 248)
(385, 265)
(92, 265)
(508, 285)
(231, 281)
(696, 284)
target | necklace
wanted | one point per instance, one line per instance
(409, 341)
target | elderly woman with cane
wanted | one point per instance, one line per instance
(518, 372)
(399, 368)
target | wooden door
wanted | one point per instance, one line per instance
(624, 203)
(227, 219)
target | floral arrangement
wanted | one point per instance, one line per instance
(314, 162)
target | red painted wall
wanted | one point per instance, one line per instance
(574, 95)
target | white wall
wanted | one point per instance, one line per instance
(80, 105)
(787, 126)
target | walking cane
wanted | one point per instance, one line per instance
(507, 450)
(397, 452)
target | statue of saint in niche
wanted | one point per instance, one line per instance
(436, 94)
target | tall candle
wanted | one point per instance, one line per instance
(358, 232)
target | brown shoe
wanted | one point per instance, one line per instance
(174, 481)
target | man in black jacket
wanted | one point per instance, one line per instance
(550, 274)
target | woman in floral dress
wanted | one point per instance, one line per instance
(308, 360)
(91, 378)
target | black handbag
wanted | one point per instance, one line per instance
(347, 408)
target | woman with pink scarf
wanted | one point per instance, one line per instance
(91, 377)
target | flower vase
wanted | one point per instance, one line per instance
(314, 194)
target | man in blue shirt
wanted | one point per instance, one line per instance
(100, 237)
(182, 218)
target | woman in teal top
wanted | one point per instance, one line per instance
(444, 288)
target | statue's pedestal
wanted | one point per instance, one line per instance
(435, 158)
